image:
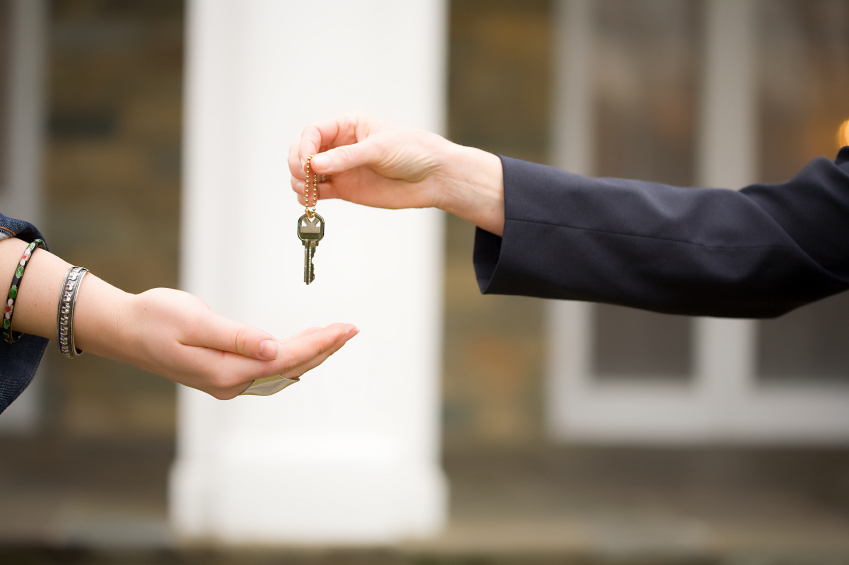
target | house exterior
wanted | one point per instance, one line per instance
(713, 93)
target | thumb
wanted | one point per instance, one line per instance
(347, 157)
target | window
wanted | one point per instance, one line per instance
(804, 78)
(646, 65)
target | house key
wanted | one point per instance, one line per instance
(310, 232)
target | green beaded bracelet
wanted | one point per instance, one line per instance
(8, 334)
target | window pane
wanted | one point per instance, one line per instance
(632, 342)
(647, 68)
(647, 57)
(810, 342)
(804, 80)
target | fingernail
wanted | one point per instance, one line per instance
(269, 349)
(352, 333)
(320, 162)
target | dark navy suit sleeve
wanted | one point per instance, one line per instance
(755, 253)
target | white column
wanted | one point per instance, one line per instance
(573, 147)
(350, 454)
(20, 190)
(573, 137)
(727, 148)
(727, 124)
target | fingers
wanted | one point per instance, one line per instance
(307, 331)
(296, 169)
(338, 130)
(326, 189)
(301, 353)
(347, 157)
(299, 370)
(305, 348)
(311, 141)
(217, 332)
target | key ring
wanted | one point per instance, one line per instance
(310, 210)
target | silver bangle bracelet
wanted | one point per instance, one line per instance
(65, 315)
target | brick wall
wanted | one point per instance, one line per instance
(112, 188)
(499, 88)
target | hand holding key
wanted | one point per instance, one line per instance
(377, 163)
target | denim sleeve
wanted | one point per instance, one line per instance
(18, 361)
(755, 253)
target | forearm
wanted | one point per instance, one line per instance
(97, 322)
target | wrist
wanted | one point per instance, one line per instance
(472, 187)
(103, 319)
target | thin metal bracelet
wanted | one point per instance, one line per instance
(8, 335)
(65, 315)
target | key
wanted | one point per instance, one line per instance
(310, 232)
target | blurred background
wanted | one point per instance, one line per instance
(84, 457)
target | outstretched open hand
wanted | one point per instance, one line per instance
(176, 335)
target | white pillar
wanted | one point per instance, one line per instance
(20, 189)
(573, 137)
(727, 149)
(573, 148)
(350, 454)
